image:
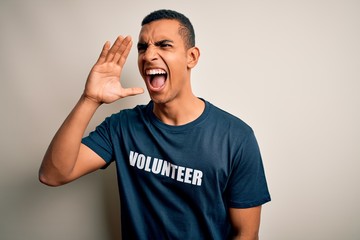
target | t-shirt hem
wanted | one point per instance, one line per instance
(249, 204)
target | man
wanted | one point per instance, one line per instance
(186, 169)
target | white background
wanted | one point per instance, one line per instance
(290, 69)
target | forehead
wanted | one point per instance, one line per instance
(160, 30)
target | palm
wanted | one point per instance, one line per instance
(103, 84)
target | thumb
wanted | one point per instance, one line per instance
(132, 91)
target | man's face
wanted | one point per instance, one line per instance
(163, 60)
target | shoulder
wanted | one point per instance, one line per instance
(228, 120)
(128, 114)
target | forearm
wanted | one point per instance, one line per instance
(61, 155)
(66, 158)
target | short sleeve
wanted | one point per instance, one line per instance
(247, 185)
(100, 141)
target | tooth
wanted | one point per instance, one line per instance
(155, 71)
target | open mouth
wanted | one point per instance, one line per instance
(156, 77)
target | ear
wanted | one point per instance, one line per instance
(193, 55)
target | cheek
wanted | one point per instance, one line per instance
(177, 65)
(139, 60)
(139, 63)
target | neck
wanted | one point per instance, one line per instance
(178, 113)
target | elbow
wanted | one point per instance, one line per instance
(48, 180)
(51, 175)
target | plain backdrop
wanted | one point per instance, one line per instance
(290, 69)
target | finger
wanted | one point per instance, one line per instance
(132, 91)
(114, 49)
(104, 52)
(124, 50)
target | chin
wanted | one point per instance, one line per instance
(159, 99)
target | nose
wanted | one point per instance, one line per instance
(150, 54)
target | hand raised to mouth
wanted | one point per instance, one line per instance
(103, 84)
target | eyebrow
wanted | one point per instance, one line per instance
(142, 45)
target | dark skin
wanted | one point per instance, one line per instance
(160, 49)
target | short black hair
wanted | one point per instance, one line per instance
(186, 29)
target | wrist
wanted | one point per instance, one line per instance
(89, 101)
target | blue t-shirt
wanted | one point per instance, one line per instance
(177, 182)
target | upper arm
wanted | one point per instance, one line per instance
(87, 161)
(245, 222)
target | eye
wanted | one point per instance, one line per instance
(142, 47)
(165, 45)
